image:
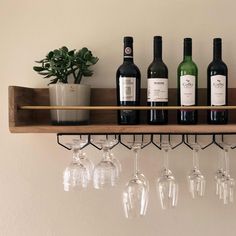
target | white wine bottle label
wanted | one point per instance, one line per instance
(127, 89)
(187, 90)
(157, 90)
(218, 90)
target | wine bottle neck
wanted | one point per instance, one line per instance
(128, 51)
(157, 48)
(217, 50)
(187, 49)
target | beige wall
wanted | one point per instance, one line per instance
(32, 201)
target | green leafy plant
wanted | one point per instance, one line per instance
(60, 63)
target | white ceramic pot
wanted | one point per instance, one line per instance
(69, 95)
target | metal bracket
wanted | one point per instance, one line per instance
(118, 137)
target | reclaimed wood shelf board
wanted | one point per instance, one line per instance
(34, 119)
(127, 129)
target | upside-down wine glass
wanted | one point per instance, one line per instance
(227, 183)
(196, 181)
(116, 162)
(79, 173)
(219, 175)
(136, 193)
(105, 172)
(167, 186)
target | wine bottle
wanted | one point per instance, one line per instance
(128, 82)
(187, 86)
(157, 85)
(217, 84)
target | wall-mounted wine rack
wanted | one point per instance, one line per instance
(29, 112)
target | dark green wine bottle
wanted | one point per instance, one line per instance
(217, 86)
(187, 86)
(157, 89)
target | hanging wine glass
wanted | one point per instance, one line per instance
(167, 186)
(78, 174)
(219, 175)
(227, 183)
(87, 163)
(117, 164)
(136, 193)
(196, 181)
(105, 172)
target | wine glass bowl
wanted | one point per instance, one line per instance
(88, 164)
(107, 171)
(228, 184)
(168, 190)
(196, 180)
(197, 183)
(224, 182)
(219, 175)
(117, 164)
(78, 174)
(75, 177)
(104, 175)
(135, 198)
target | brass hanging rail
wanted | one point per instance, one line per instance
(127, 108)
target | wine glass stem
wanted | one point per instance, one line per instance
(220, 161)
(136, 164)
(195, 159)
(74, 153)
(226, 156)
(77, 153)
(110, 152)
(106, 155)
(166, 159)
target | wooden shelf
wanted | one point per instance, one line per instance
(129, 129)
(32, 119)
(141, 108)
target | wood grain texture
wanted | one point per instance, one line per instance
(38, 121)
(126, 129)
(19, 96)
(144, 108)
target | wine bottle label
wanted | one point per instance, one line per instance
(157, 90)
(187, 90)
(127, 89)
(218, 90)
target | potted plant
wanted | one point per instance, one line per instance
(61, 66)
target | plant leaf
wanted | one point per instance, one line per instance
(94, 60)
(54, 81)
(87, 72)
(43, 73)
(64, 49)
(41, 61)
(48, 76)
(38, 68)
(50, 55)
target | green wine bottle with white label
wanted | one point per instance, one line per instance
(128, 82)
(187, 86)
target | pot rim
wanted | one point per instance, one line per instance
(65, 85)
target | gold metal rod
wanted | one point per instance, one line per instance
(127, 108)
